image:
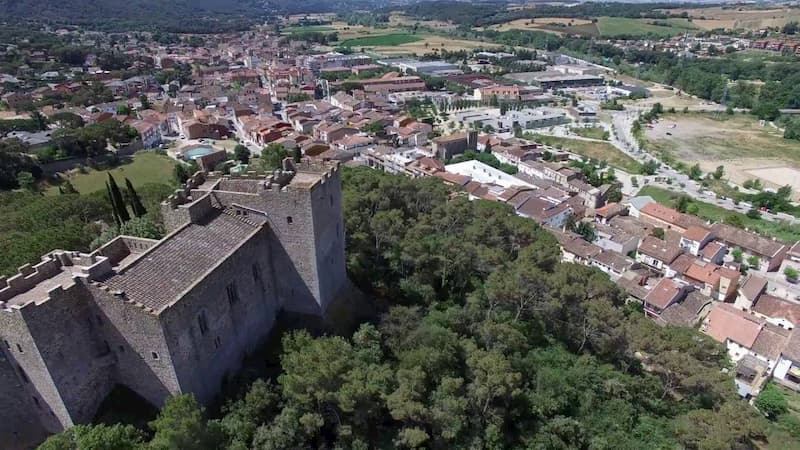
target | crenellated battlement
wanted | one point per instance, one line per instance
(35, 283)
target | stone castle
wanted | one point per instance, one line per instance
(171, 316)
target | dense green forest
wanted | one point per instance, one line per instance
(33, 224)
(483, 340)
(484, 14)
(207, 16)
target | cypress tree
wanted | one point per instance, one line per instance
(113, 205)
(122, 210)
(136, 204)
(298, 154)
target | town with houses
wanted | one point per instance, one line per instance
(417, 117)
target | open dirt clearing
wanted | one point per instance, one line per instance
(739, 142)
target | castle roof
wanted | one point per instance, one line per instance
(162, 274)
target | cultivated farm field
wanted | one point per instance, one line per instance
(619, 26)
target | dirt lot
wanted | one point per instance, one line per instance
(752, 19)
(740, 143)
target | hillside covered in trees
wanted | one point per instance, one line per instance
(483, 340)
(207, 16)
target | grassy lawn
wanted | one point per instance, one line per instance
(598, 150)
(599, 133)
(617, 26)
(381, 40)
(714, 213)
(143, 168)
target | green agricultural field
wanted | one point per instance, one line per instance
(143, 168)
(618, 26)
(381, 40)
(592, 149)
(714, 213)
(301, 29)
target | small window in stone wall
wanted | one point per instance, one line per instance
(217, 342)
(233, 294)
(202, 322)
(289, 219)
(154, 355)
(19, 349)
(23, 375)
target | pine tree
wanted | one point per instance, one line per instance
(136, 204)
(121, 209)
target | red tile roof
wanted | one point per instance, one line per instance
(663, 294)
(726, 322)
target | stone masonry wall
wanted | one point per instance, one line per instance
(20, 427)
(23, 355)
(68, 337)
(133, 335)
(230, 330)
(329, 238)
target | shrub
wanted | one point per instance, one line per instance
(772, 402)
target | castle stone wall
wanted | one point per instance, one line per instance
(134, 334)
(328, 222)
(22, 353)
(69, 341)
(203, 357)
(20, 427)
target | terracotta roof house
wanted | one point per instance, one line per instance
(713, 252)
(662, 295)
(657, 253)
(750, 290)
(787, 369)
(575, 249)
(717, 282)
(728, 324)
(545, 212)
(688, 312)
(778, 311)
(695, 238)
(769, 251)
(613, 263)
(668, 218)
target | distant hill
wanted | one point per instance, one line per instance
(172, 15)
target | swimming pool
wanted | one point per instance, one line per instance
(198, 151)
